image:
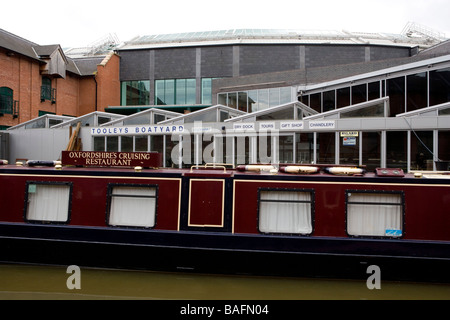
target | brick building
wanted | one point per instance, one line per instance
(37, 80)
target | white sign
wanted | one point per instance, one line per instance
(291, 125)
(137, 130)
(201, 129)
(322, 124)
(349, 133)
(243, 126)
(267, 126)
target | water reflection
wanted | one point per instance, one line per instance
(49, 282)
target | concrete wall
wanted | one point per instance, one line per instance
(241, 60)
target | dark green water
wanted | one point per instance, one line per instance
(23, 282)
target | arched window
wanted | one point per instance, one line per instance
(6, 100)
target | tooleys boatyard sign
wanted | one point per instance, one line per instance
(141, 130)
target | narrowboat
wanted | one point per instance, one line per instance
(282, 220)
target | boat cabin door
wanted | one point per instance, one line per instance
(206, 203)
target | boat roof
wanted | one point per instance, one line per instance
(221, 171)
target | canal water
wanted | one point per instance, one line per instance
(26, 282)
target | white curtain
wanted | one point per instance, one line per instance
(280, 212)
(374, 214)
(133, 206)
(48, 202)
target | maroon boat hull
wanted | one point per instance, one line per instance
(207, 221)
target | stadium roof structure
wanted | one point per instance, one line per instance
(282, 36)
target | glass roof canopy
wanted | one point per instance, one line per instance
(369, 109)
(437, 110)
(272, 34)
(233, 33)
(92, 119)
(217, 113)
(289, 111)
(149, 116)
(44, 121)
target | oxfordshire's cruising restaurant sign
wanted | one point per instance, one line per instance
(112, 159)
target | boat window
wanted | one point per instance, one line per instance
(375, 213)
(48, 202)
(133, 206)
(285, 211)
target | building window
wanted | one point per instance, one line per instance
(304, 147)
(141, 143)
(373, 90)
(175, 92)
(6, 100)
(374, 214)
(439, 86)
(286, 211)
(396, 93)
(417, 91)
(328, 100)
(112, 143)
(207, 91)
(126, 143)
(48, 202)
(286, 148)
(99, 143)
(47, 93)
(135, 93)
(132, 206)
(326, 147)
(421, 150)
(359, 93)
(444, 145)
(343, 97)
(396, 149)
(371, 149)
(315, 102)
(256, 100)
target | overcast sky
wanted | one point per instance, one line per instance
(83, 22)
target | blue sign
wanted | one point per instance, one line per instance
(393, 232)
(349, 141)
